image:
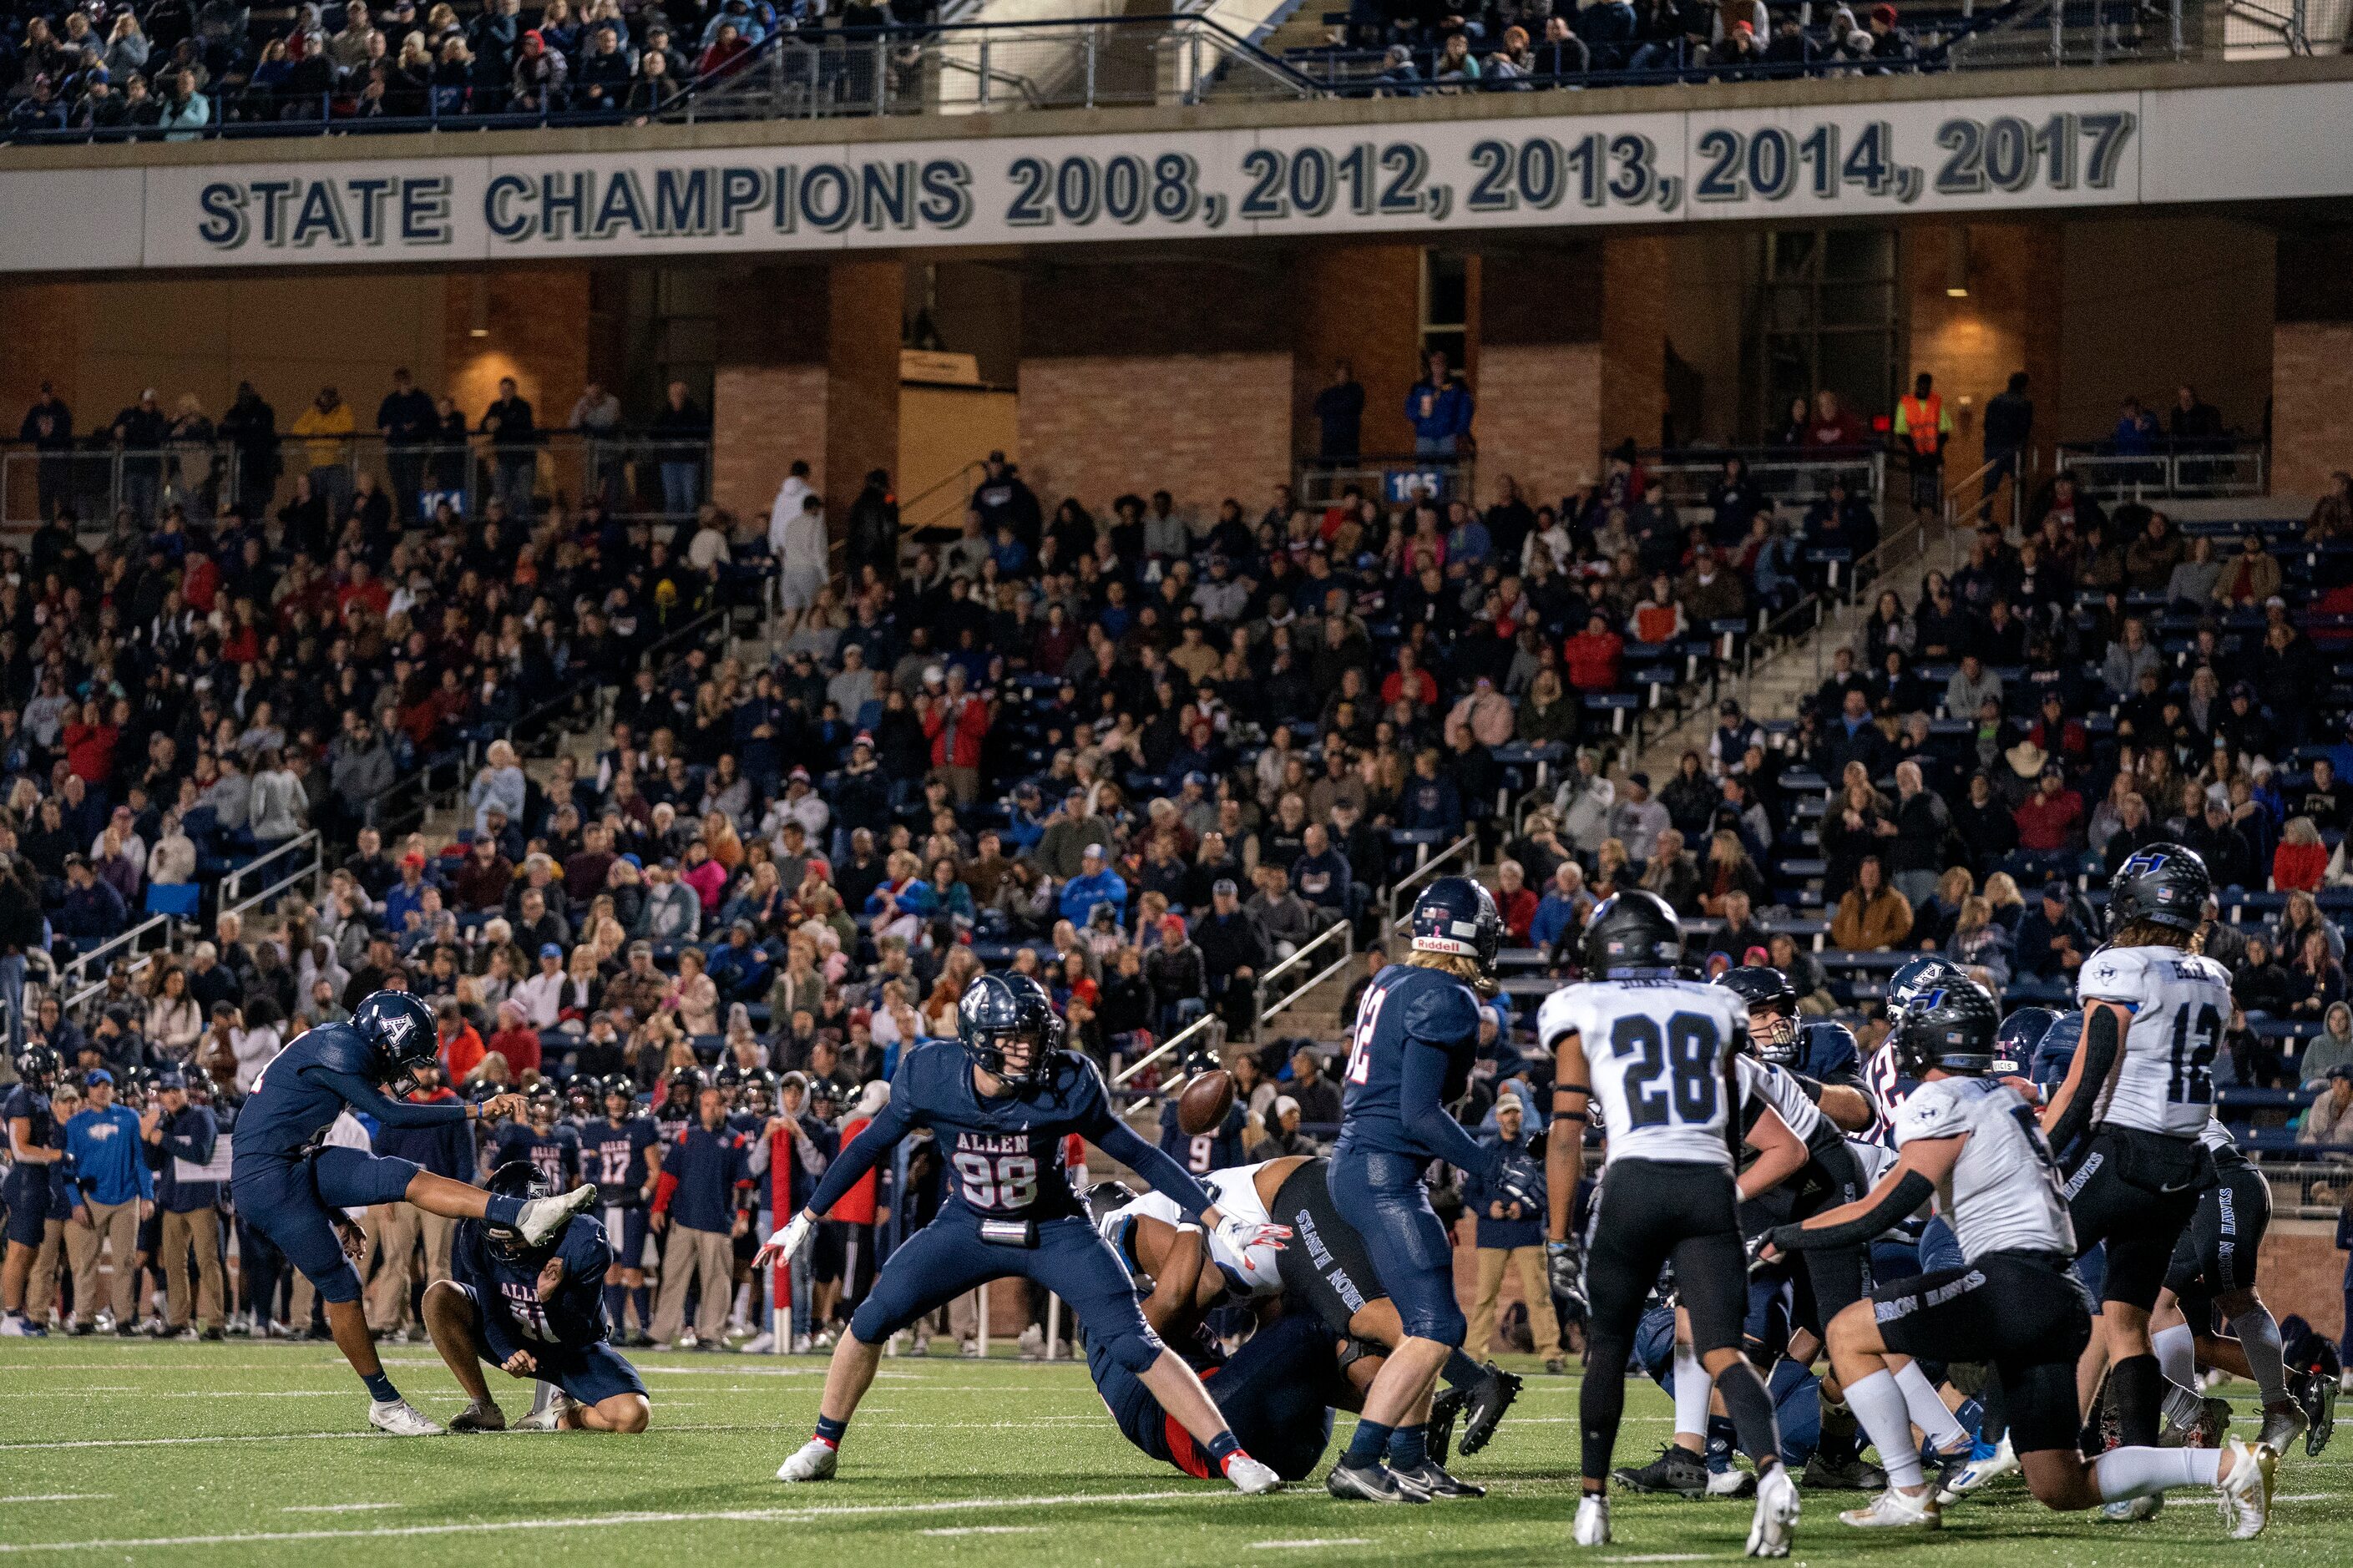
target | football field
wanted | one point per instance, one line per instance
(256, 1455)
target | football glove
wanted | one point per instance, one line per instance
(1565, 1262)
(1521, 1185)
(1241, 1236)
(787, 1242)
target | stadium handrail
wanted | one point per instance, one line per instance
(233, 884)
(2190, 466)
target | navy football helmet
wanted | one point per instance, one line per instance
(2013, 1048)
(2163, 884)
(622, 1085)
(39, 1066)
(399, 1029)
(757, 1094)
(580, 1096)
(1915, 977)
(516, 1179)
(1456, 916)
(1768, 989)
(542, 1104)
(1949, 1027)
(997, 1009)
(1105, 1198)
(1633, 932)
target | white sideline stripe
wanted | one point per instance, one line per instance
(988, 1529)
(1309, 1543)
(605, 1521)
(335, 1507)
(310, 1437)
(2283, 1497)
(1662, 1557)
(61, 1497)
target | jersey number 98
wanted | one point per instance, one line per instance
(1676, 1076)
(1003, 1182)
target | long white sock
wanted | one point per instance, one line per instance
(1692, 1386)
(1928, 1412)
(2176, 1358)
(2122, 1473)
(2259, 1336)
(1879, 1404)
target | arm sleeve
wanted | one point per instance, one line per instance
(1901, 1200)
(1426, 1119)
(2101, 1044)
(367, 1100)
(1166, 1177)
(864, 1151)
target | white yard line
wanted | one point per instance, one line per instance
(1664, 1557)
(336, 1507)
(609, 1520)
(989, 1529)
(310, 1437)
(1309, 1544)
(61, 1497)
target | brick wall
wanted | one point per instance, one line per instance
(1539, 416)
(864, 302)
(1634, 327)
(2302, 1271)
(763, 417)
(1361, 303)
(2311, 386)
(535, 316)
(1971, 345)
(1207, 425)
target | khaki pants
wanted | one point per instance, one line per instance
(1536, 1286)
(199, 1229)
(398, 1231)
(41, 1283)
(963, 783)
(110, 1225)
(687, 1254)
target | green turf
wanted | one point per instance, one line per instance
(252, 1455)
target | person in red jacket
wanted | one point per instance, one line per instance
(2301, 859)
(1594, 655)
(957, 723)
(1408, 680)
(2051, 820)
(90, 744)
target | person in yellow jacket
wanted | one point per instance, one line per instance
(1923, 425)
(325, 428)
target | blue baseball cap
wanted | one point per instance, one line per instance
(551, 950)
(97, 1075)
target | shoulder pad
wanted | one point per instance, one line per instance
(340, 1048)
(2112, 974)
(1443, 1014)
(1931, 1111)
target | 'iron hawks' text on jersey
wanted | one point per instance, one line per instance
(1655, 1054)
(2180, 1004)
(2002, 1195)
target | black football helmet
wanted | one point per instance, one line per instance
(2163, 884)
(580, 1096)
(541, 1104)
(1456, 916)
(516, 1179)
(619, 1085)
(1951, 1027)
(757, 1095)
(1105, 1198)
(39, 1066)
(997, 1009)
(2013, 1047)
(1915, 976)
(1632, 933)
(1767, 991)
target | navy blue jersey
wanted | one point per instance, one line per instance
(615, 1159)
(1410, 1057)
(512, 1314)
(555, 1153)
(671, 1120)
(1827, 1054)
(1203, 1152)
(29, 1183)
(1003, 1156)
(306, 1086)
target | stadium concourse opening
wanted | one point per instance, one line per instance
(860, 697)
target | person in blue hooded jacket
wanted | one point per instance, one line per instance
(1438, 407)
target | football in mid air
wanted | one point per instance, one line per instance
(1203, 1102)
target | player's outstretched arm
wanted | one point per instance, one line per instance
(1165, 1176)
(864, 1152)
(1909, 1183)
(1422, 1105)
(2096, 1053)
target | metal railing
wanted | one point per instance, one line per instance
(636, 476)
(2307, 1188)
(1179, 1044)
(83, 981)
(2222, 466)
(298, 859)
(1785, 474)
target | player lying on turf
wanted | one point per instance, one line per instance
(1971, 1142)
(292, 1189)
(1001, 1102)
(1184, 1273)
(534, 1311)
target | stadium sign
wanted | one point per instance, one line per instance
(1792, 164)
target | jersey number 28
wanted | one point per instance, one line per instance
(1676, 1076)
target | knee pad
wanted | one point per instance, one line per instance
(1136, 1351)
(1444, 1322)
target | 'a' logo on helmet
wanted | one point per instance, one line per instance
(398, 1026)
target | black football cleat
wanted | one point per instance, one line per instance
(1676, 1469)
(1444, 1411)
(1437, 1483)
(1489, 1397)
(1371, 1483)
(2316, 1392)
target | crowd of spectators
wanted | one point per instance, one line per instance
(172, 68)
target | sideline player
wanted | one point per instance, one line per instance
(2154, 1008)
(291, 1187)
(1001, 1102)
(33, 1180)
(1660, 1054)
(618, 1151)
(533, 1311)
(1410, 1055)
(1971, 1142)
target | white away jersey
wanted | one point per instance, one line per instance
(1234, 1190)
(1654, 1053)
(2003, 1192)
(1780, 1094)
(2180, 1004)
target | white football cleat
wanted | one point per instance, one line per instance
(1250, 1477)
(812, 1461)
(1978, 1473)
(2133, 1511)
(1894, 1509)
(543, 1218)
(1592, 1527)
(1777, 1514)
(2247, 1490)
(549, 1418)
(401, 1419)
